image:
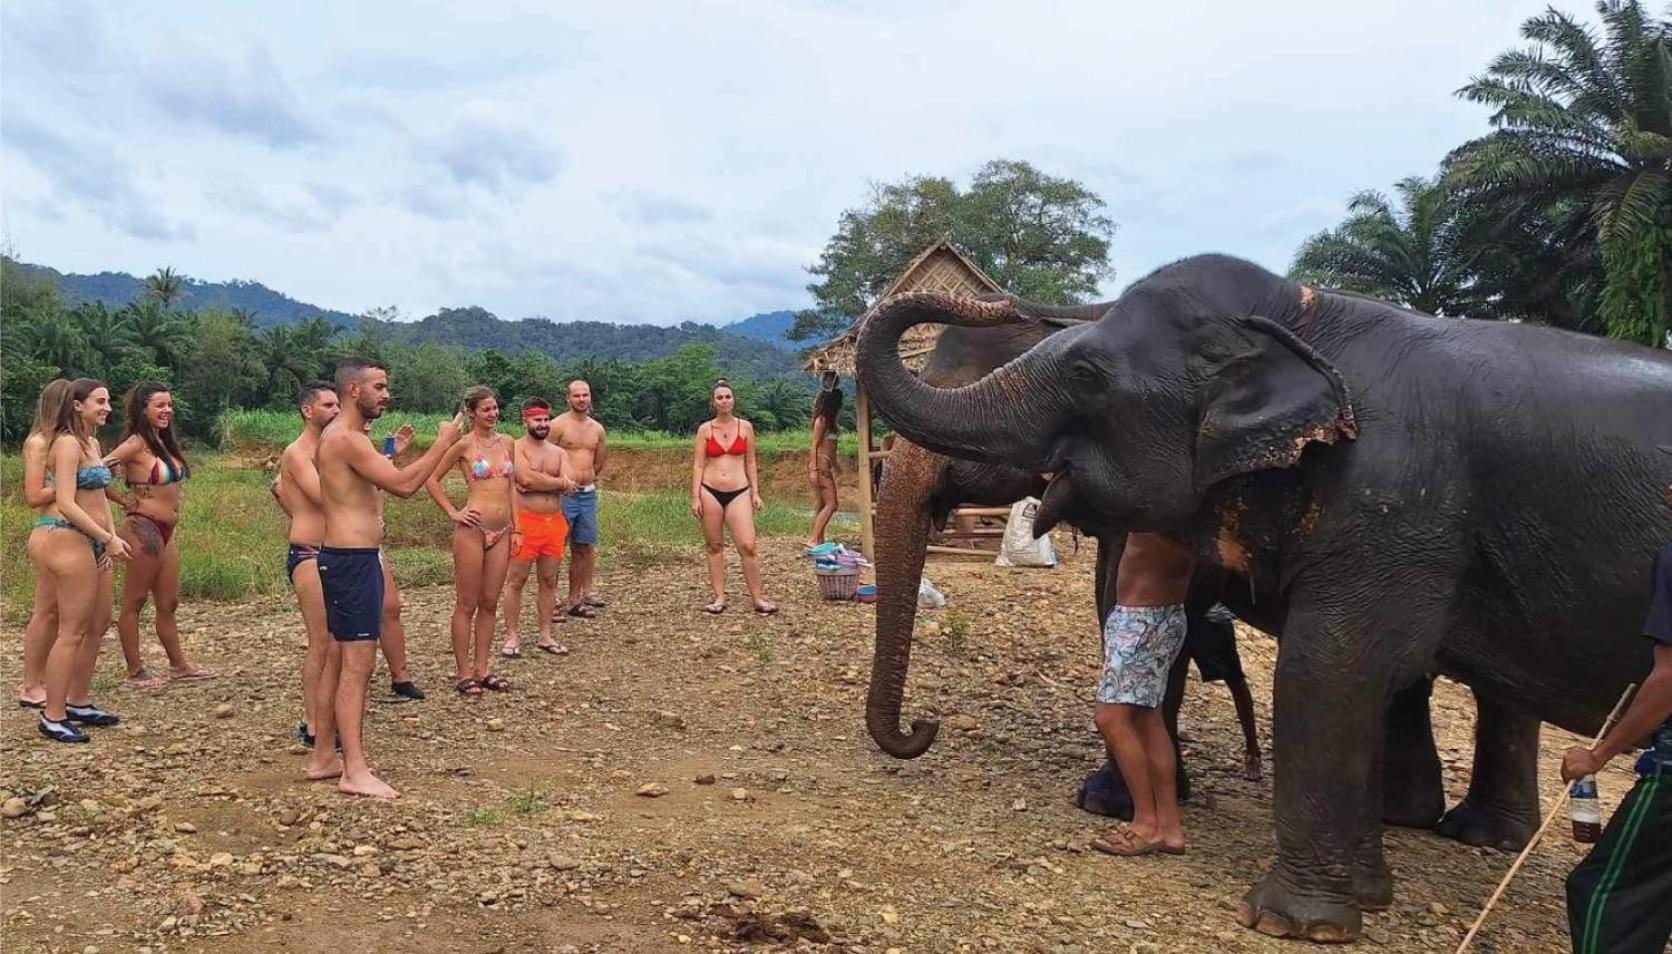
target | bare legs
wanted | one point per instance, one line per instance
(310, 600)
(357, 659)
(824, 490)
(1250, 734)
(153, 573)
(583, 558)
(39, 634)
(322, 710)
(67, 557)
(1143, 751)
(545, 602)
(393, 638)
(740, 520)
(478, 579)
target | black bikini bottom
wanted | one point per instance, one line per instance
(725, 497)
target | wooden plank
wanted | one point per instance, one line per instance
(985, 556)
(981, 511)
(867, 541)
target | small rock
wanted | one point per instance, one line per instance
(220, 859)
(741, 795)
(496, 725)
(652, 790)
(1435, 907)
(370, 870)
(745, 889)
(1019, 805)
(189, 904)
(1376, 936)
(889, 915)
(224, 711)
(289, 816)
(563, 863)
(406, 843)
(169, 923)
(364, 851)
(185, 828)
(706, 778)
(47, 816)
(14, 808)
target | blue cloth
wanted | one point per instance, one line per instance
(353, 581)
(92, 477)
(581, 510)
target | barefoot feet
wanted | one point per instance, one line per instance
(366, 785)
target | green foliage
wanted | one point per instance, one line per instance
(1038, 236)
(1412, 253)
(1577, 173)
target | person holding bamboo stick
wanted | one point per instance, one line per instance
(1619, 899)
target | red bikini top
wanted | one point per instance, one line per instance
(738, 447)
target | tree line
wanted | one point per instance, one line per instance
(216, 359)
(1561, 214)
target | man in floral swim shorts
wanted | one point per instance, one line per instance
(1142, 637)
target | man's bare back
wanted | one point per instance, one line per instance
(297, 475)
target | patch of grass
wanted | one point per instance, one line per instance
(955, 632)
(761, 645)
(482, 818)
(528, 803)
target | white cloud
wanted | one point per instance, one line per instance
(665, 161)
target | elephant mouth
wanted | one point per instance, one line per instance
(1055, 505)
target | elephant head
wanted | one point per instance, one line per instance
(920, 487)
(1181, 385)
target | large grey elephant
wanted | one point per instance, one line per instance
(1402, 494)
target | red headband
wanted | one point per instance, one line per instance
(536, 412)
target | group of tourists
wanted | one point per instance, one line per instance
(527, 501)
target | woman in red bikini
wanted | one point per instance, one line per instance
(483, 534)
(725, 493)
(154, 468)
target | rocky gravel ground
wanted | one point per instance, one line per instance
(680, 781)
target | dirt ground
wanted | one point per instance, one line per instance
(537, 820)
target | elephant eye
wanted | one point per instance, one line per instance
(1083, 374)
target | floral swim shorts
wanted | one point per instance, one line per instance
(1139, 646)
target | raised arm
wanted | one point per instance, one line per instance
(403, 482)
(751, 468)
(696, 469)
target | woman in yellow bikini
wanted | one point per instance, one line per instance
(154, 468)
(74, 542)
(482, 542)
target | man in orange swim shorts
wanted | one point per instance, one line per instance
(542, 476)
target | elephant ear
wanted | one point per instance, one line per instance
(1262, 405)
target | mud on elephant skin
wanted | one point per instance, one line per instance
(1473, 499)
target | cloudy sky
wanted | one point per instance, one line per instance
(657, 162)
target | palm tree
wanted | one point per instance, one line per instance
(108, 335)
(1583, 140)
(1409, 253)
(166, 286)
(168, 333)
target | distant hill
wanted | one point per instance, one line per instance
(116, 289)
(752, 348)
(768, 327)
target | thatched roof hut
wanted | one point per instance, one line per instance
(939, 268)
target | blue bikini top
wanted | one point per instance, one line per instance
(92, 477)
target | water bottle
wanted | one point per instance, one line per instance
(1586, 811)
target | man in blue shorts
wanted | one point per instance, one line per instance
(582, 439)
(1619, 899)
(351, 472)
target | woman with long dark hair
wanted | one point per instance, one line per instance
(154, 467)
(39, 494)
(725, 493)
(821, 468)
(482, 538)
(74, 541)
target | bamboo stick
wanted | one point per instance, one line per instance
(1555, 812)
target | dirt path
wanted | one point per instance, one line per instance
(521, 828)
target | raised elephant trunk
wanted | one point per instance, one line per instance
(912, 477)
(1003, 416)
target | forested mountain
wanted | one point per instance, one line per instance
(751, 348)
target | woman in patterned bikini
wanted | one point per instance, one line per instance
(154, 468)
(74, 542)
(725, 493)
(482, 538)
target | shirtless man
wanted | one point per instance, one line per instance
(351, 472)
(541, 474)
(296, 488)
(583, 439)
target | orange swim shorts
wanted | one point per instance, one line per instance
(543, 534)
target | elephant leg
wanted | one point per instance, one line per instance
(1336, 668)
(1104, 791)
(1501, 809)
(1413, 793)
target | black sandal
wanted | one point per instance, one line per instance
(496, 683)
(468, 687)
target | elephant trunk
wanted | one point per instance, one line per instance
(912, 476)
(1004, 416)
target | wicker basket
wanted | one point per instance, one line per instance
(838, 584)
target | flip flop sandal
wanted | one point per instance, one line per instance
(196, 675)
(512, 652)
(1124, 843)
(144, 682)
(714, 609)
(555, 649)
(496, 683)
(582, 611)
(767, 610)
(26, 704)
(593, 601)
(468, 687)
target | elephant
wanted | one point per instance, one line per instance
(1403, 495)
(922, 487)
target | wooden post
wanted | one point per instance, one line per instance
(862, 412)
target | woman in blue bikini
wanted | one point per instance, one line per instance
(725, 493)
(74, 542)
(482, 542)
